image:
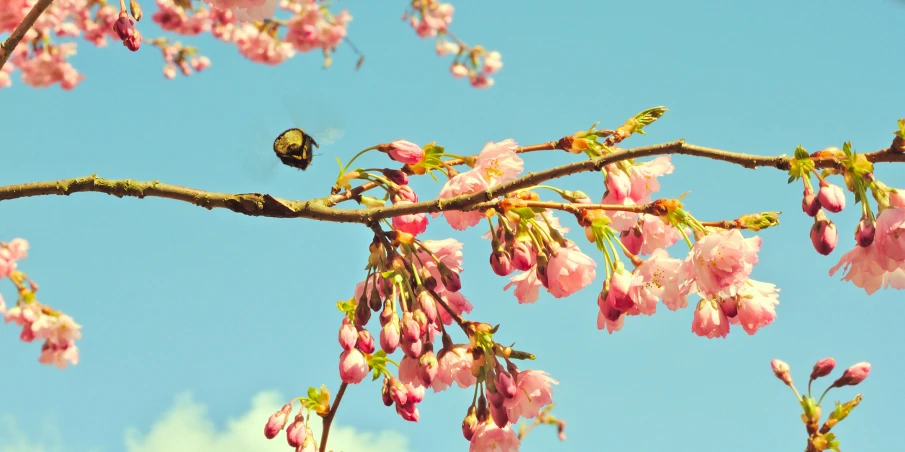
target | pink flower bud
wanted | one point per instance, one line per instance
(395, 176)
(896, 198)
(823, 368)
(561, 429)
(365, 341)
(632, 239)
(362, 314)
(412, 349)
(123, 27)
(864, 233)
(469, 424)
(410, 329)
(823, 234)
(296, 433)
(618, 295)
(523, 255)
(428, 367)
(428, 305)
(389, 336)
(610, 313)
(809, 204)
(498, 412)
(781, 370)
(277, 421)
(421, 319)
(352, 366)
(398, 392)
(853, 375)
(133, 42)
(347, 335)
(458, 70)
(408, 412)
(505, 384)
(450, 280)
(385, 393)
(403, 151)
(501, 263)
(831, 197)
(729, 306)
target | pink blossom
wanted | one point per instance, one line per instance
(656, 278)
(347, 335)
(621, 220)
(454, 366)
(534, 392)
(823, 368)
(435, 17)
(488, 437)
(657, 234)
(810, 205)
(353, 366)
(865, 232)
(259, 46)
(617, 295)
(59, 353)
(527, 286)
(47, 65)
(569, 271)
(493, 62)
(870, 269)
(604, 323)
(296, 433)
(631, 238)
(390, 335)
(823, 234)
(501, 263)
(644, 177)
(458, 70)
(719, 263)
(890, 233)
(709, 320)
(463, 183)
(247, 10)
(409, 371)
(524, 256)
(757, 303)
(498, 162)
(412, 223)
(2, 305)
(481, 81)
(617, 183)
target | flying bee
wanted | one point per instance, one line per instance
(293, 148)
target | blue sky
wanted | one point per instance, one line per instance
(175, 299)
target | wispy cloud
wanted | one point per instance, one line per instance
(186, 426)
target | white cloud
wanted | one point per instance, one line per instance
(187, 427)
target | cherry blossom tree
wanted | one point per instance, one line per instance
(422, 338)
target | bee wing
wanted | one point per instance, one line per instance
(259, 164)
(328, 136)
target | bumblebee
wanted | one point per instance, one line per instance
(293, 148)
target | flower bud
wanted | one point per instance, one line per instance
(610, 313)
(823, 368)
(362, 314)
(395, 176)
(501, 263)
(428, 305)
(428, 367)
(371, 202)
(618, 292)
(412, 349)
(135, 9)
(389, 336)
(133, 42)
(123, 27)
(277, 421)
(505, 384)
(296, 432)
(347, 335)
(632, 239)
(853, 375)
(385, 395)
(864, 233)
(365, 341)
(523, 255)
(809, 203)
(498, 412)
(729, 306)
(403, 151)
(823, 234)
(449, 278)
(831, 197)
(469, 424)
(352, 366)
(781, 370)
(410, 328)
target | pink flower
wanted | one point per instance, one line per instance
(59, 354)
(352, 366)
(247, 10)
(296, 433)
(534, 392)
(481, 81)
(621, 220)
(527, 286)
(657, 234)
(493, 62)
(498, 162)
(890, 233)
(709, 320)
(277, 421)
(488, 437)
(463, 183)
(853, 375)
(866, 267)
(389, 335)
(412, 223)
(809, 203)
(831, 197)
(604, 323)
(618, 183)
(618, 295)
(405, 152)
(454, 366)
(632, 239)
(644, 177)
(719, 263)
(656, 278)
(757, 303)
(458, 70)
(569, 271)
(524, 257)
(348, 336)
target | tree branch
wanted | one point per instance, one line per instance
(328, 419)
(6, 49)
(257, 204)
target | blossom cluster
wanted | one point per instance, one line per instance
(38, 321)
(250, 25)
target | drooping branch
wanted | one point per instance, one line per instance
(257, 204)
(6, 49)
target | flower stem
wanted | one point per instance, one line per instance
(329, 418)
(7, 48)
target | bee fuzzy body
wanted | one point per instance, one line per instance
(293, 148)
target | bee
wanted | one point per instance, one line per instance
(293, 148)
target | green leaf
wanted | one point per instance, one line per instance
(901, 132)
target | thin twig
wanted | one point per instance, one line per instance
(6, 49)
(329, 418)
